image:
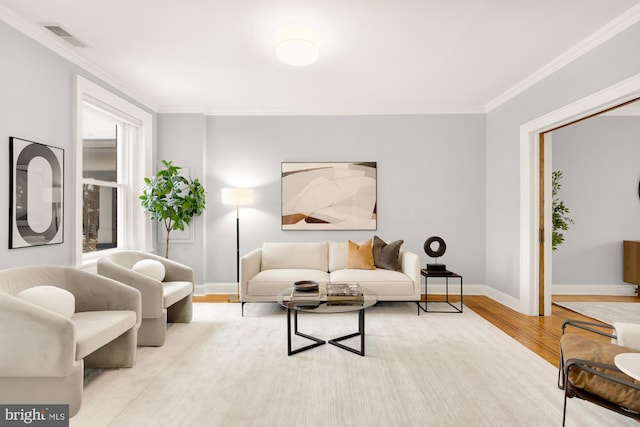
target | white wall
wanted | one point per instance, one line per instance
(607, 64)
(36, 87)
(181, 139)
(430, 181)
(600, 162)
(36, 104)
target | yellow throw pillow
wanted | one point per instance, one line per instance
(360, 256)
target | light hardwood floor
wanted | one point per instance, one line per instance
(539, 334)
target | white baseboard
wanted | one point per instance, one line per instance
(216, 288)
(624, 290)
(454, 289)
(475, 289)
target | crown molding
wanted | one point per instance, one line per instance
(356, 111)
(38, 34)
(607, 32)
(181, 110)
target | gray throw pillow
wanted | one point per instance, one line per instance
(386, 255)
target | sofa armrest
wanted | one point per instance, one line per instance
(249, 267)
(151, 289)
(34, 342)
(95, 293)
(410, 265)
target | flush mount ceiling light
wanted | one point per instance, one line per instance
(297, 45)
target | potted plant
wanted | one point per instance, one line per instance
(560, 213)
(172, 199)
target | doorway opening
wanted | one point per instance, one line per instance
(535, 173)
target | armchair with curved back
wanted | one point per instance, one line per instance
(43, 352)
(587, 368)
(169, 300)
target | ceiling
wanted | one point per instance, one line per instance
(376, 56)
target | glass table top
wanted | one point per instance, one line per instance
(321, 305)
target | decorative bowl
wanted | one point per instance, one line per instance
(306, 286)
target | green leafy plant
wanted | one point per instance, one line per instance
(560, 213)
(172, 199)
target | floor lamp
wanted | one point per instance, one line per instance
(237, 197)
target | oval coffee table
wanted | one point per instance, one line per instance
(322, 306)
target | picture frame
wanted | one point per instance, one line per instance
(36, 194)
(329, 196)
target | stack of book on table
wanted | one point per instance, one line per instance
(344, 294)
(305, 298)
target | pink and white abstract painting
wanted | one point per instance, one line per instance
(329, 196)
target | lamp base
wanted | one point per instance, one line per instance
(235, 297)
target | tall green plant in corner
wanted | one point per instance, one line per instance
(560, 213)
(172, 199)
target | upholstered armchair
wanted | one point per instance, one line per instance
(587, 366)
(166, 295)
(54, 321)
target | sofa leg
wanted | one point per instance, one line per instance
(242, 303)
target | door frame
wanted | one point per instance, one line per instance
(531, 287)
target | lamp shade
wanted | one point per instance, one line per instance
(237, 196)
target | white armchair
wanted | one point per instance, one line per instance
(43, 352)
(169, 300)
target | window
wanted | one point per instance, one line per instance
(113, 156)
(103, 191)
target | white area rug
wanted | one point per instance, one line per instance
(607, 312)
(429, 370)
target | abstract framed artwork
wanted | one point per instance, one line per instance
(35, 194)
(329, 196)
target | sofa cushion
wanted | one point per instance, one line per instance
(576, 346)
(175, 291)
(338, 255)
(151, 268)
(97, 328)
(50, 297)
(305, 255)
(271, 282)
(384, 283)
(386, 255)
(360, 256)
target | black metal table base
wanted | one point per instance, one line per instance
(446, 275)
(455, 309)
(318, 342)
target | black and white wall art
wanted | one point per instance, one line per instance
(329, 196)
(36, 194)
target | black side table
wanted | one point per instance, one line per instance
(440, 274)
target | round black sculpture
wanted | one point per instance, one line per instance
(442, 247)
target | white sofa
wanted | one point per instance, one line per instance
(43, 352)
(266, 271)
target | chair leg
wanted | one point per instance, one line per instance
(564, 408)
(561, 379)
